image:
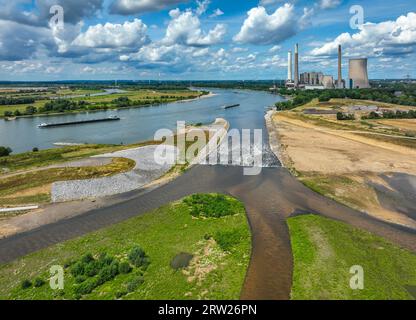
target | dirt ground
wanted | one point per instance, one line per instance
(348, 167)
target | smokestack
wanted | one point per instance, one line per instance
(340, 67)
(296, 65)
(289, 66)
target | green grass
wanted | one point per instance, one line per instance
(143, 97)
(31, 160)
(324, 251)
(162, 234)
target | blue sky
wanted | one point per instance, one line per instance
(216, 39)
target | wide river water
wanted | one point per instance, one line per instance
(140, 124)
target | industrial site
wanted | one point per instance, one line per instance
(357, 75)
(207, 158)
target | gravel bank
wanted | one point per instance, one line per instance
(145, 171)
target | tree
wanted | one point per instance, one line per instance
(30, 110)
(5, 151)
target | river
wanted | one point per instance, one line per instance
(140, 124)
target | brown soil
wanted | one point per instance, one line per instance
(320, 153)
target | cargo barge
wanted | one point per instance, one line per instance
(231, 106)
(51, 125)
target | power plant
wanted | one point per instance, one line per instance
(358, 75)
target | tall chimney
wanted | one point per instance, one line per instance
(296, 65)
(289, 66)
(340, 86)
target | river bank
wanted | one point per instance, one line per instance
(83, 111)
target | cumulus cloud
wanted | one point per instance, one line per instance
(129, 7)
(126, 35)
(185, 28)
(18, 41)
(376, 39)
(260, 28)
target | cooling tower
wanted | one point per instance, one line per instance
(296, 65)
(289, 66)
(358, 74)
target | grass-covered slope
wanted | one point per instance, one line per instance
(324, 251)
(220, 247)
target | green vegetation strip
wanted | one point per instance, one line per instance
(133, 260)
(324, 251)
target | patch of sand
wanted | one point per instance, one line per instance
(313, 148)
(407, 124)
(46, 189)
(322, 155)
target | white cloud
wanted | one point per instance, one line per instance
(376, 39)
(217, 13)
(263, 29)
(238, 50)
(127, 35)
(202, 6)
(129, 7)
(269, 2)
(275, 49)
(329, 4)
(185, 29)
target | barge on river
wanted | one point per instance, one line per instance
(51, 125)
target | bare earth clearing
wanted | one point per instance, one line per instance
(369, 172)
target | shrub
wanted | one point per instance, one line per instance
(5, 151)
(86, 287)
(26, 284)
(78, 269)
(211, 205)
(142, 262)
(80, 279)
(87, 258)
(229, 238)
(124, 267)
(135, 253)
(35, 149)
(38, 282)
(135, 283)
(91, 269)
(342, 116)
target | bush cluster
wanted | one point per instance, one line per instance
(343, 116)
(90, 273)
(210, 205)
(229, 238)
(5, 151)
(138, 258)
(392, 115)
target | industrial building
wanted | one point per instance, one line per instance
(312, 78)
(358, 75)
